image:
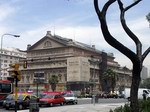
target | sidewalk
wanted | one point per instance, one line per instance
(80, 108)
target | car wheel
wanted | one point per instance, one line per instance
(40, 105)
(20, 106)
(73, 102)
(51, 104)
(76, 102)
(7, 108)
(128, 98)
(61, 103)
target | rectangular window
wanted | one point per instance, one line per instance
(5, 61)
(5, 88)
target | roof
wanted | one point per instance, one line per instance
(70, 42)
(66, 42)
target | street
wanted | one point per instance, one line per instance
(82, 101)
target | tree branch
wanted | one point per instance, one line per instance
(97, 7)
(126, 28)
(108, 37)
(134, 3)
(145, 54)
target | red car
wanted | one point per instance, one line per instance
(50, 99)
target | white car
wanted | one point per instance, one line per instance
(70, 98)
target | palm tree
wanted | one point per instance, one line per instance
(53, 82)
(110, 78)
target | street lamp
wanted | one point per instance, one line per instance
(1, 50)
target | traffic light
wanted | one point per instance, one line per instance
(16, 71)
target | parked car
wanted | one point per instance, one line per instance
(112, 95)
(23, 101)
(140, 93)
(70, 98)
(104, 95)
(50, 99)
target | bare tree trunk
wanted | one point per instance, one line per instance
(134, 88)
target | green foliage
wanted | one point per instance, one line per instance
(110, 76)
(53, 81)
(144, 106)
(125, 108)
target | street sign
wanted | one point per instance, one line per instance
(39, 77)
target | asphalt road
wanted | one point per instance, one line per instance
(82, 101)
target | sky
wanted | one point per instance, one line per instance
(75, 19)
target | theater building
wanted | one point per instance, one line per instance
(79, 66)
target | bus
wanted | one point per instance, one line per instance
(6, 88)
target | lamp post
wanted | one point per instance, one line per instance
(2, 48)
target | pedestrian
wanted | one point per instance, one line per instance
(144, 95)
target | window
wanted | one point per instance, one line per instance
(5, 88)
(5, 74)
(5, 61)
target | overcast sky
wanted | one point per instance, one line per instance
(75, 19)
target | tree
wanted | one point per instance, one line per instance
(110, 78)
(136, 58)
(53, 82)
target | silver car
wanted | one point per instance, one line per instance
(70, 98)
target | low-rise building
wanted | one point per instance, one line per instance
(79, 66)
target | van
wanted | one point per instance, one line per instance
(140, 93)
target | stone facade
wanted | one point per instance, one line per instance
(77, 65)
(78, 69)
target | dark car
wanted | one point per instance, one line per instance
(23, 101)
(50, 99)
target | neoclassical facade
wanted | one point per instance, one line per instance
(77, 65)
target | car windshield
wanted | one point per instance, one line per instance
(12, 96)
(9, 97)
(41, 95)
(48, 96)
(69, 95)
(20, 97)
